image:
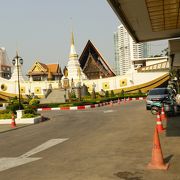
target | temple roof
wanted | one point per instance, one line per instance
(90, 49)
(41, 68)
(53, 68)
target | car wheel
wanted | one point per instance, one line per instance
(154, 110)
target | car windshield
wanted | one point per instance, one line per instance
(158, 92)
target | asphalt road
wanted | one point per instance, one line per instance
(97, 144)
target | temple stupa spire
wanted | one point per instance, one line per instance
(74, 69)
(72, 54)
(72, 38)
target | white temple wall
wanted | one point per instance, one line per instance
(107, 84)
(125, 81)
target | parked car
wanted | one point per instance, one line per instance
(158, 94)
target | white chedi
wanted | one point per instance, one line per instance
(74, 70)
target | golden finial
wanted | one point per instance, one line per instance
(16, 53)
(72, 38)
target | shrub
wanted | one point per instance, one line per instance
(29, 110)
(107, 94)
(53, 105)
(34, 102)
(112, 93)
(5, 116)
(122, 93)
(93, 95)
(73, 94)
(30, 115)
(77, 103)
(65, 105)
(14, 107)
(4, 111)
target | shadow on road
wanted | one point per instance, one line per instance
(168, 158)
(173, 125)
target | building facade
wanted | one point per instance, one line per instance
(126, 50)
(5, 68)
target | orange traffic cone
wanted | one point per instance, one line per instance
(157, 161)
(159, 123)
(163, 115)
(13, 123)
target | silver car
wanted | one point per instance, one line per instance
(157, 94)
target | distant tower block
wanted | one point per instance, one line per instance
(5, 67)
(74, 70)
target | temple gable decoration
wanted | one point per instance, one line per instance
(91, 69)
(93, 64)
(38, 67)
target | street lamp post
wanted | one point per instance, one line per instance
(17, 61)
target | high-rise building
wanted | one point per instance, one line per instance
(5, 67)
(126, 50)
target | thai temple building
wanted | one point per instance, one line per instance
(91, 70)
(44, 72)
(93, 64)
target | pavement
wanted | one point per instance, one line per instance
(106, 143)
(172, 126)
(7, 127)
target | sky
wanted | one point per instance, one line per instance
(41, 29)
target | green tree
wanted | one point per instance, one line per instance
(107, 94)
(112, 93)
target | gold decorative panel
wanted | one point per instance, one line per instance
(3, 87)
(105, 85)
(37, 69)
(22, 89)
(123, 82)
(37, 90)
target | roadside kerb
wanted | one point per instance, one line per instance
(22, 120)
(86, 106)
